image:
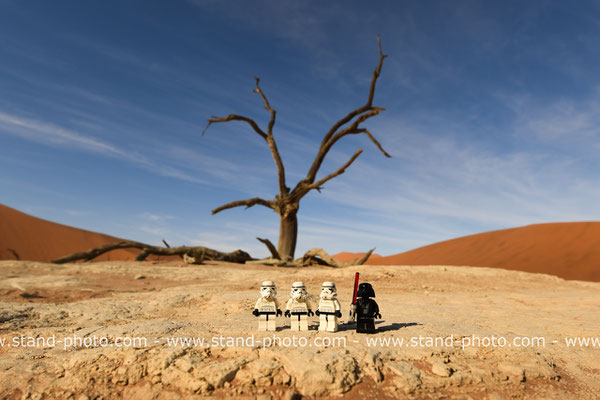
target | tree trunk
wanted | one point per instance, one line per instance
(288, 234)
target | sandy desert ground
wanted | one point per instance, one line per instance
(114, 302)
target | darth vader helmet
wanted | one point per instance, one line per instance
(365, 290)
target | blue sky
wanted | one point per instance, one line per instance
(492, 120)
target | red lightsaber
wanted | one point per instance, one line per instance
(353, 306)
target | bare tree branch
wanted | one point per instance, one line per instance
(369, 102)
(271, 247)
(234, 117)
(268, 136)
(283, 189)
(366, 132)
(365, 112)
(352, 129)
(248, 203)
(377, 72)
(267, 105)
(340, 171)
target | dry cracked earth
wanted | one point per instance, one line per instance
(111, 323)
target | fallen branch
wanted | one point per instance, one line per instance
(363, 259)
(271, 247)
(277, 263)
(311, 258)
(14, 253)
(316, 255)
(198, 252)
(167, 244)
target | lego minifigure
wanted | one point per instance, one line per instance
(267, 307)
(298, 307)
(366, 309)
(329, 308)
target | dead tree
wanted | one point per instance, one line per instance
(286, 203)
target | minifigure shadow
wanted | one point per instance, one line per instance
(395, 326)
(386, 328)
(352, 326)
(346, 327)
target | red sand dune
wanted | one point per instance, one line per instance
(570, 250)
(346, 257)
(36, 239)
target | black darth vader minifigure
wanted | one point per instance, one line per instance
(366, 309)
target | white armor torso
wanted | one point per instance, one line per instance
(264, 305)
(295, 306)
(329, 306)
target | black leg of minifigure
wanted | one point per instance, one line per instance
(365, 326)
(371, 327)
(360, 327)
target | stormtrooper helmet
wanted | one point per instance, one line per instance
(328, 291)
(268, 290)
(298, 290)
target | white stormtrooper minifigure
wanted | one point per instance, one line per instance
(298, 308)
(329, 308)
(267, 307)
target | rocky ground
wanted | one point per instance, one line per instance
(94, 311)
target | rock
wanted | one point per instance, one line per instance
(216, 373)
(408, 376)
(478, 374)
(512, 371)
(140, 277)
(292, 395)
(404, 368)
(318, 373)
(537, 369)
(178, 379)
(441, 369)
(183, 364)
(373, 365)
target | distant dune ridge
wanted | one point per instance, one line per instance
(36, 239)
(570, 250)
(347, 257)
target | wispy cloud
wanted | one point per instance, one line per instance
(564, 121)
(156, 218)
(48, 133)
(156, 231)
